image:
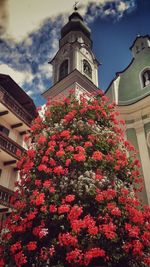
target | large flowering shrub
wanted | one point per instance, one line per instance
(76, 203)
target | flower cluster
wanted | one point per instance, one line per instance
(76, 203)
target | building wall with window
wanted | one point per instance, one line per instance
(131, 91)
(17, 111)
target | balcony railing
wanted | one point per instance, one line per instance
(5, 196)
(15, 107)
(9, 146)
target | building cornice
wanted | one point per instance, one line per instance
(8, 101)
(70, 79)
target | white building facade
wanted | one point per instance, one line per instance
(16, 113)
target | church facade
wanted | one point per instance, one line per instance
(131, 92)
(75, 67)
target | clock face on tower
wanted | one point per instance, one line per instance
(86, 53)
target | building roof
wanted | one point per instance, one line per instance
(139, 36)
(128, 84)
(75, 23)
(17, 93)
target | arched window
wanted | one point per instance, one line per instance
(63, 70)
(87, 68)
(145, 77)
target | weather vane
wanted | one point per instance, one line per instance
(75, 6)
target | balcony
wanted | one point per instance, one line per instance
(5, 196)
(8, 101)
(8, 147)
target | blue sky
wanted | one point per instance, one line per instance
(29, 33)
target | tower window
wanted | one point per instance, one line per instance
(142, 45)
(4, 130)
(63, 70)
(87, 68)
(137, 49)
(146, 77)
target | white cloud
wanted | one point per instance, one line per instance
(122, 6)
(26, 16)
(16, 75)
(3, 16)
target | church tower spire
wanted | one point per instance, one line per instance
(74, 65)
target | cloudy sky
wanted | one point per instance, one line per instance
(29, 33)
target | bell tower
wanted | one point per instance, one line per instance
(74, 65)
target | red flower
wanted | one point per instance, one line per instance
(47, 183)
(63, 209)
(42, 139)
(15, 247)
(75, 212)
(133, 231)
(68, 162)
(52, 208)
(42, 167)
(88, 144)
(20, 259)
(70, 148)
(31, 153)
(60, 153)
(67, 240)
(79, 157)
(59, 170)
(37, 182)
(32, 245)
(65, 134)
(74, 256)
(90, 122)
(97, 155)
(93, 253)
(40, 198)
(52, 162)
(70, 198)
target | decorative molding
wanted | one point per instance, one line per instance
(148, 139)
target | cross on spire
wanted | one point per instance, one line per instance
(75, 6)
